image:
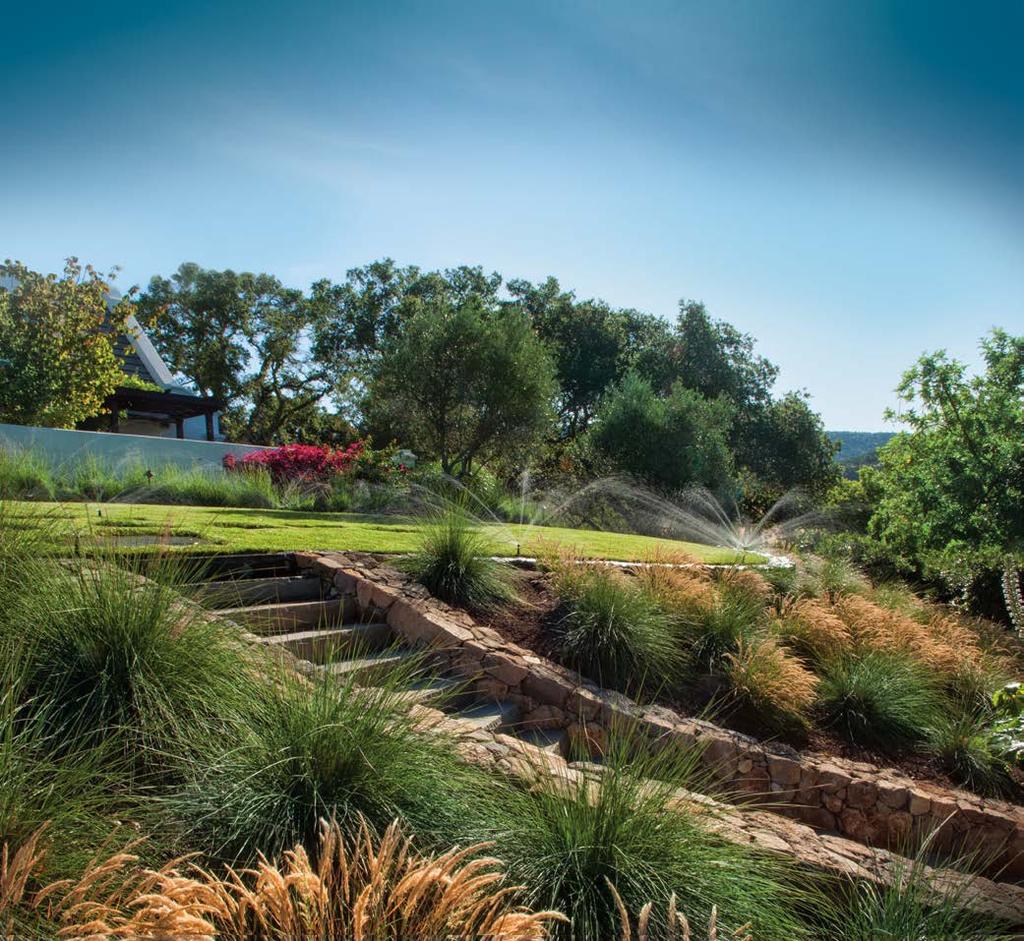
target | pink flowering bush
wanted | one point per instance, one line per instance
(300, 463)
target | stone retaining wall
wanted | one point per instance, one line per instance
(875, 806)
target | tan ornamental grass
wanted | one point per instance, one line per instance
(678, 590)
(749, 581)
(764, 675)
(674, 927)
(358, 889)
(813, 627)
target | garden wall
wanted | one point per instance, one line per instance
(61, 446)
(865, 803)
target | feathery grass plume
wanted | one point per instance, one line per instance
(115, 655)
(564, 838)
(674, 927)
(943, 645)
(834, 578)
(899, 597)
(749, 581)
(811, 627)
(614, 631)
(881, 698)
(963, 741)
(454, 561)
(359, 889)
(770, 683)
(681, 592)
(324, 748)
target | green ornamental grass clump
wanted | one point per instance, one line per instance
(880, 698)
(326, 749)
(962, 737)
(570, 840)
(614, 632)
(114, 655)
(454, 561)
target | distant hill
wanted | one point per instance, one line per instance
(857, 448)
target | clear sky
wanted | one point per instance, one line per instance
(844, 180)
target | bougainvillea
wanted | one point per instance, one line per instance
(292, 463)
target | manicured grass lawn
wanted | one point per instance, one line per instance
(219, 529)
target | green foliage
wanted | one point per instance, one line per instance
(241, 337)
(971, 752)
(111, 654)
(952, 486)
(464, 384)
(614, 632)
(57, 337)
(716, 629)
(328, 749)
(914, 905)
(454, 561)
(567, 840)
(879, 699)
(668, 442)
(25, 475)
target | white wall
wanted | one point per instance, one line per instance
(60, 446)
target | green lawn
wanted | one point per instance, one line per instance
(219, 529)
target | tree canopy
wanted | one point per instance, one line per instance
(953, 483)
(463, 383)
(243, 338)
(57, 337)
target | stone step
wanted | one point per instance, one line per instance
(489, 716)
(437, 691)
(320, 646)
(233, 593)
(368, 668)
(289, 616)
(553, 741)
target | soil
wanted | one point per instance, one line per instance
(529, 624)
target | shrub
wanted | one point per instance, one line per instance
(454, 561)
(879, 699)
(615, 632)
(576, 843)
(306, 463)
(964, 742)
(770, 683)
(325, 750)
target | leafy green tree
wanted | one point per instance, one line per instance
(243, 338)
(952, 485)
(463, 384)
(57, 336)
(668, 441)
(357, 318)
(786, 446)
(587, 340)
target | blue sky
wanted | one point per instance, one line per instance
(843, 180)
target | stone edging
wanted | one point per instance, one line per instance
(871, 805)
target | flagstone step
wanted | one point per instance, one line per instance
(324, 644)
(233, 593)
(290, 616)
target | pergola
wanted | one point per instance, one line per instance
(145, 403)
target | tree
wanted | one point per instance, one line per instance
(57, 337)
(787, 447)
(668, 442)
(357, 318)
(587, 341)
(953, 484)
(243, 338)
(463, 384)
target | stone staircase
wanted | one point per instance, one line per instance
(289, 611)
